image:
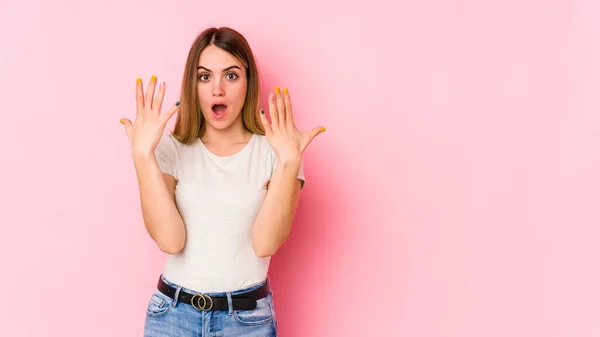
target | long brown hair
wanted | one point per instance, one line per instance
(190, 123)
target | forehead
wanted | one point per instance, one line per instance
(216, 59)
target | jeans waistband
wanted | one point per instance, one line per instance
(215, 294)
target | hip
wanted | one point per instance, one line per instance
(177, 311)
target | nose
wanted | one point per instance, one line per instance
(218, 89)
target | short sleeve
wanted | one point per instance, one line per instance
(300, 172)
(165, 155)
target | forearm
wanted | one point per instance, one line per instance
(161, 217)
(274, 221)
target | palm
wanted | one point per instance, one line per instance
(285, 138)
(145, 132)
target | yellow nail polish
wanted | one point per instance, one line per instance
(323, 129)
(121, 121)
(153, 78)
(285, 90)
(277, 91)
(138, 80)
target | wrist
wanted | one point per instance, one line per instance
(141, 156)
(290, 160)
(289, 165)
(138, 152)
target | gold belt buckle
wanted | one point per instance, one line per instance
(204, 302)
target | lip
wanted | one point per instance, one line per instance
(215, 116)
(222, 115)
(217, 102)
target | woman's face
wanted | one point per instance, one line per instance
(221, 86)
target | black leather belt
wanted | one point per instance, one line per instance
(244, 301)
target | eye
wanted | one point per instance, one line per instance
(232, 76)
(203, 77)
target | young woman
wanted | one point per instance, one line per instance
(218, 193)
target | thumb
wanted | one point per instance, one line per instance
(127, 124)
(313, 133)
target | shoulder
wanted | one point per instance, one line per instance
(169, 148)
(168, 143)
(261, 140)
(262, 147)
(167, 139)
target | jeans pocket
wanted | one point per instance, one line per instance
(158, 305)
(262, 314)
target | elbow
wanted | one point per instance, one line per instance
(266, 244)
(263, 250)
(171, 247)
(170, 242)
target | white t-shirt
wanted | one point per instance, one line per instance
(218, 199)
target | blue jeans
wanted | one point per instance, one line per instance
(165, 317)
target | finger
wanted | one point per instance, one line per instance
(167, 115)
(159, 97)
(139, 96)
(289, 118)
(128, 125)
(280, 108)
(313, 133)
(150, 94)
(265, 122)
(273, 112)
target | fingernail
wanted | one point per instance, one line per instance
(138, 80)
(285, 90)
(177, 104)
(262, 111)
(153, 78)
(277, 91)
(121, 121)
(323, 129)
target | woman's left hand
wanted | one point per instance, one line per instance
(284, 137)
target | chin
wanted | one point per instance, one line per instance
(218, 125)
(221, 124)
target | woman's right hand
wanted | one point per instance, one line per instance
(147, 129)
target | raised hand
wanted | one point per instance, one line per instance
(147, 129)
(284, 137)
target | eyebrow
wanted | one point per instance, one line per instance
(201, 67)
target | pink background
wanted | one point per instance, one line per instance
(455, 192)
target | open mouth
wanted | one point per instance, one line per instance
(219, 110)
